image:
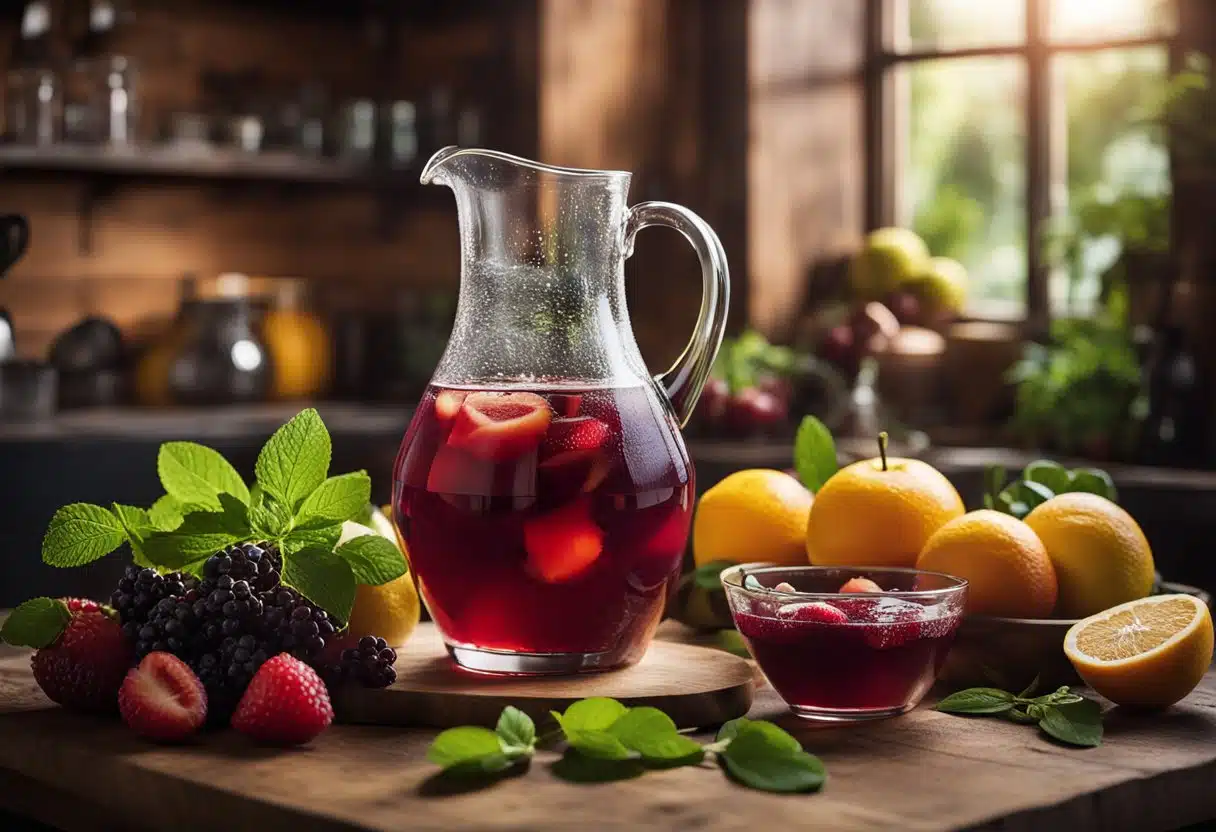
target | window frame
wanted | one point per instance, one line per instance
(1042, 167)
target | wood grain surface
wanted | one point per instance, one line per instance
(923, 771)
(695, 686)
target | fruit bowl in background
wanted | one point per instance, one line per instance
(1009, 653)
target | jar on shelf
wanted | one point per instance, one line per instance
(299, 344)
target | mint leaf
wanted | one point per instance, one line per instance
(364, 517)
(193, 473)
(1094, 481)
(323, 578)
(516, 732)
(81, 533)
(731, 729)
(268, 518)
(594, 714)
(37, 623)
(295, 460)
(465, 747)
(166, 513)
(336, 499)
(814, 453)
(1053, 475)
(1075, 723)
(653, 734)
(977, 701)
(373, 559)
(707, 576)
(772, 734)
(138, 525)
(599, 744)
(576, 768)
(200, 535)
(756, 758)
(298, 539)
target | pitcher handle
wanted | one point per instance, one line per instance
(684, 380)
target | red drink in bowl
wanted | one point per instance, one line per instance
(545, 526)
(843, 656)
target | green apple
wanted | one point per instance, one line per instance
(889, 258)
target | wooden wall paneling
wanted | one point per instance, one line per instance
(806, 157)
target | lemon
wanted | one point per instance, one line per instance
(1100, 555)
(873, 513)
(754, 515)
(1148, 653)
(392, 610)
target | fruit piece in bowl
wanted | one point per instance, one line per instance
(840, 656)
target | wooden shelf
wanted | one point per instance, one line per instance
(167, 162)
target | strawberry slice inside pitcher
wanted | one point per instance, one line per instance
(500, 425)
(447, 405)
(573, 440)
(564, 543)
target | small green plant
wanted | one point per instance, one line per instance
(1063, 715)
(1039, 482)
(744, 360)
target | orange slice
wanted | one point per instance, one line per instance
(447, 405)
(1147, 653)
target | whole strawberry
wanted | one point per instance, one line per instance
(82, 656)
(285, 704)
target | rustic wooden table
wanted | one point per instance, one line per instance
(923, 771)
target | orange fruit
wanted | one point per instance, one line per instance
(1004, 563)
(754, 515)
(1100, 554)
(867, 516)
(1147, 653)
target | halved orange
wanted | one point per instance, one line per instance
(1148, 653)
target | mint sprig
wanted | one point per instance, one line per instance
(1062, 714)
(607, 741)
(37, 623)
(294, 504)
(814, 453)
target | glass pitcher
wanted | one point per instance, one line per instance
(543, 489)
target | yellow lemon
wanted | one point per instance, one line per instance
(1147, 653)
(753, 515)
(392, 610)
(1006, 567)
(1100, 555)
(876, 514)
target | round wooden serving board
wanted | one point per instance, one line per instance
(695, 686)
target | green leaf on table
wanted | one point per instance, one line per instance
(335, 500)
(1020, 716)
(756, 758)
(577, 768)
(295, 460)
(814, 453)
(599, 744)
(373, 559)
(708, 575)
(1054, 476)
(323, 578)
(297, 539)
(731, 729)
(81, 533)
(468, 749)
(977, 701)
(654, 735)
(516, 732)
(166, 513)
(597, 713)
(37, 623)
(1075, 723)
(195, 474)
(1094, 481)
(268, 518)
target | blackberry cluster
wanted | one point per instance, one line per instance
(228, 624)
(370, 664)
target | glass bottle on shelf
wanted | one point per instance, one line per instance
(34, 94)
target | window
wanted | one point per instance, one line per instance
(990, 117)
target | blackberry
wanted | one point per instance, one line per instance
(368, 664)
(259, 566)
(293, 624)
(139, 593)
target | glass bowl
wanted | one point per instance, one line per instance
(845, 657)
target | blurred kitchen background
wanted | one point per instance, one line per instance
(226, 222)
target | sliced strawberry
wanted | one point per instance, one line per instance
(563, 543)
(566, 404)
(818, 612)
(860, 585)
(162, 699)
(447, 405)
(500, 425)
(573, 440)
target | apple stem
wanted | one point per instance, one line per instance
(882, 448)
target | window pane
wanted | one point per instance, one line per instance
(962, 169)
(1115, 168)
(1096, 20)
(957, 24)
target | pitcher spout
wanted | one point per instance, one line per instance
(435, 166)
